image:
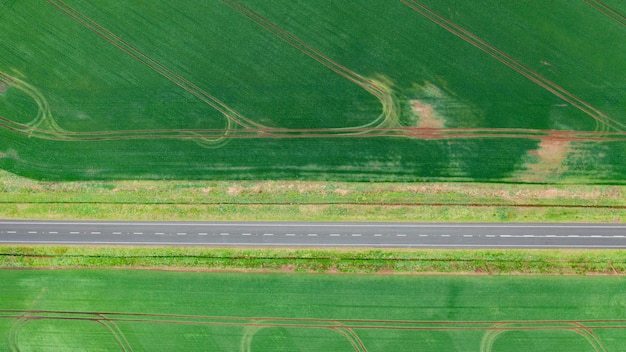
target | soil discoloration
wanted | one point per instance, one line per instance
(550, 157)
(426, 114)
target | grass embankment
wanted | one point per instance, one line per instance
(556, 262)
(308, 201)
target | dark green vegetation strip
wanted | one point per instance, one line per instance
(146, 310)
(400, 90)
(571, 262)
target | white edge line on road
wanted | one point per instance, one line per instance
(310, 245)
(312, 224)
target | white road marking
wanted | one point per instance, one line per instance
(401, 235)
(334, 235)
(268, 234)
(224, 234)
(438, 226)
(203, 234)
(137, 233)
(312, 234)
(181, 233)
(301, 229)
(117, 233)
(316, 245)
(159, 233)
(290, 234)
(246, 234)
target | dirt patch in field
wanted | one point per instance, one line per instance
(426, 115)
(549, 156)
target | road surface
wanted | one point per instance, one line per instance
(410, 235)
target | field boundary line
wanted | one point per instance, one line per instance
(514, 64)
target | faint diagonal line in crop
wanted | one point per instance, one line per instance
(602, 118)
(389, 109)
(145, 59)
(607, 10)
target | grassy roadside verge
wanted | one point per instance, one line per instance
(414, 261)
(308, 201)
(22, 198)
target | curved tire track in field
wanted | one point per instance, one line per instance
(389, 115)
(604, 120)
(378, 89)
(14, 331)
(231, 115)
(202, 137)
(345, 327)
(250, 330)
(115, 331)
(492, 334)
(44, 127)
(590, 336)
(43, 119)
(353, 338)
(406, 132)
(607, 10)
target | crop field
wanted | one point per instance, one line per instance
(147, 310)
(400, 90)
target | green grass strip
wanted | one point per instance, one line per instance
(21, 198)
(391, 261)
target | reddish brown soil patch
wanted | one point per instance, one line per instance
(427, 116)
(551, 154)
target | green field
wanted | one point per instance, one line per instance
(164, 311)
(379, 90)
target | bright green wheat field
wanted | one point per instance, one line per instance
(72, 310)
(381, 90)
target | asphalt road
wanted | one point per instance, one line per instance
(427, 235)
